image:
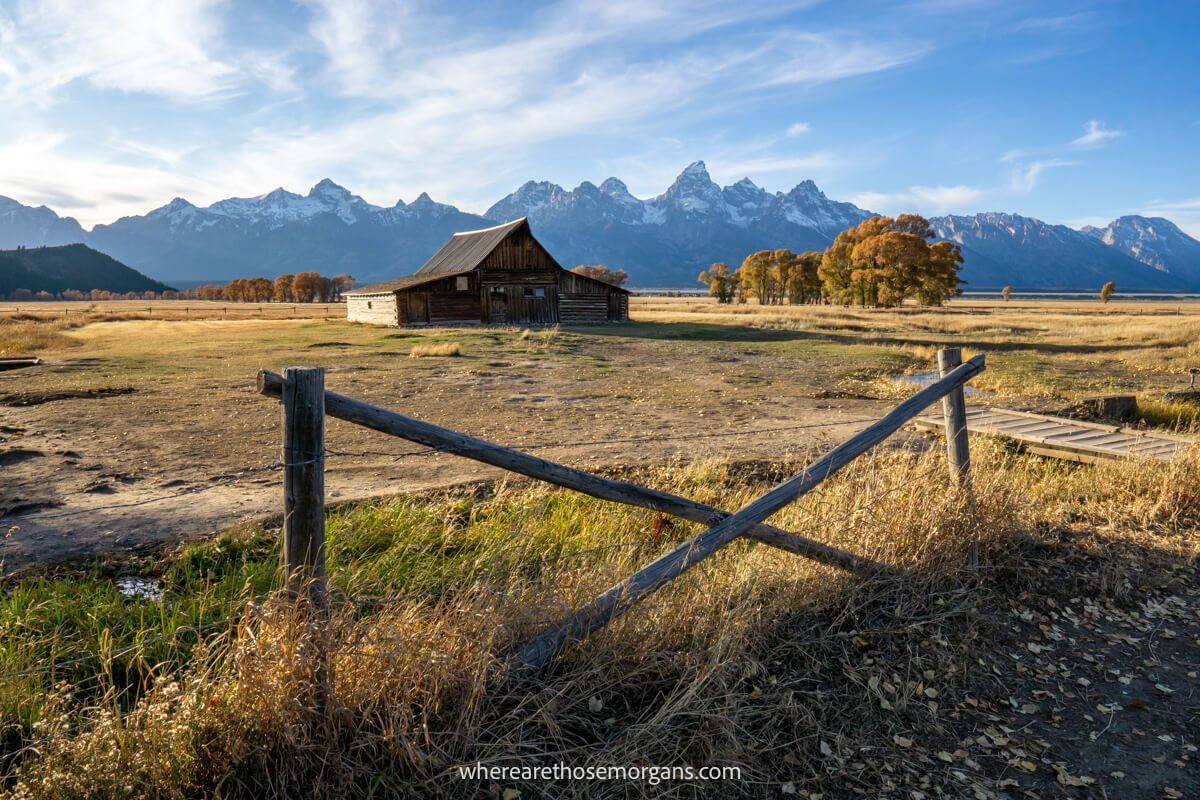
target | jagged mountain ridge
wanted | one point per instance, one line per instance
(1153, 241)
(34, 227)
(668, 239)
(328, 230)
(661, 241)
(1002, 249)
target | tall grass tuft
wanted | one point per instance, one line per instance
(436, 350)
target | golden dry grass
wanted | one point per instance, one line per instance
(31, 328)
(1036, 349)
(436, 350)
(754, 654)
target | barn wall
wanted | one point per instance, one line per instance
(582, 308)
(512, 306)
(454, 307)
(520, 251)
(446, 304)
(587, 300)
(372, 309)
(618, 307)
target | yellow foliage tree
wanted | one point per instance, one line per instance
(721, 283)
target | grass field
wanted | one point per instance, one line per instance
(1065, 667)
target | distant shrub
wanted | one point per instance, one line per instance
(434, 350)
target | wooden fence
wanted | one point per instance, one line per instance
(306, 404)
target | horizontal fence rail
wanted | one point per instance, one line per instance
(460, 444)
(724, 526)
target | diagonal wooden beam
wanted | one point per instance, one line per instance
(620, 598)
(460, 444)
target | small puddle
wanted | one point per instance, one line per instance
(931, 377)
(142, 588)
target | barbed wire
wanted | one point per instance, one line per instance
(554, 445)
(432, 451)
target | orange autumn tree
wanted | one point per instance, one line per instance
(722, 284)
(602, 273)
(884, 261)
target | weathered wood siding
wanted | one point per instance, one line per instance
(441, 302)
(454, 308)
(618, 307)
(378, 309)
(574, 309)
(519, 304)
(520, 251)
(586, 300)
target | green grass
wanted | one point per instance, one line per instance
(1182, 417)
(78, 617)
(406, 546)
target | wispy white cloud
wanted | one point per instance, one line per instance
(1024, 177)
(1055, 23)
(922, 199)
(352, 85)
(160, 47)
(1095, 135)
(487, 101)
(1029, 164)
(41, 167)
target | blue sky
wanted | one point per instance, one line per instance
(1070, 112)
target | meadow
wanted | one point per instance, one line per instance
(1064, 666)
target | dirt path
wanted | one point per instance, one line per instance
(114, 447)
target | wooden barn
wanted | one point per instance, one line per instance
(496, 276)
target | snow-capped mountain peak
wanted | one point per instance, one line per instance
(616, 188)
(693, 192)
(1154, 241)
(661, 241)
(327, 188)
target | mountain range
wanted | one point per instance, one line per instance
(662, 241)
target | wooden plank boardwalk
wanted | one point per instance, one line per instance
(1059, 437)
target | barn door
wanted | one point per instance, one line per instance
(497, 305)
(418, 307)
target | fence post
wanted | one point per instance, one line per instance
(958, 453)
(303, 551)
(304, 481)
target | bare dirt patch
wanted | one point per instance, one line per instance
(27, 398)
(198, 447)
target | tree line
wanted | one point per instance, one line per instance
(880, 263)
(303, 287)
(600, 272)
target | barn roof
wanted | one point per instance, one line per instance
(405, 282)
(466, 250)
(461, 254)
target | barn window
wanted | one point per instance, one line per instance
(498, 290)
(462, 283)
(532, 292)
